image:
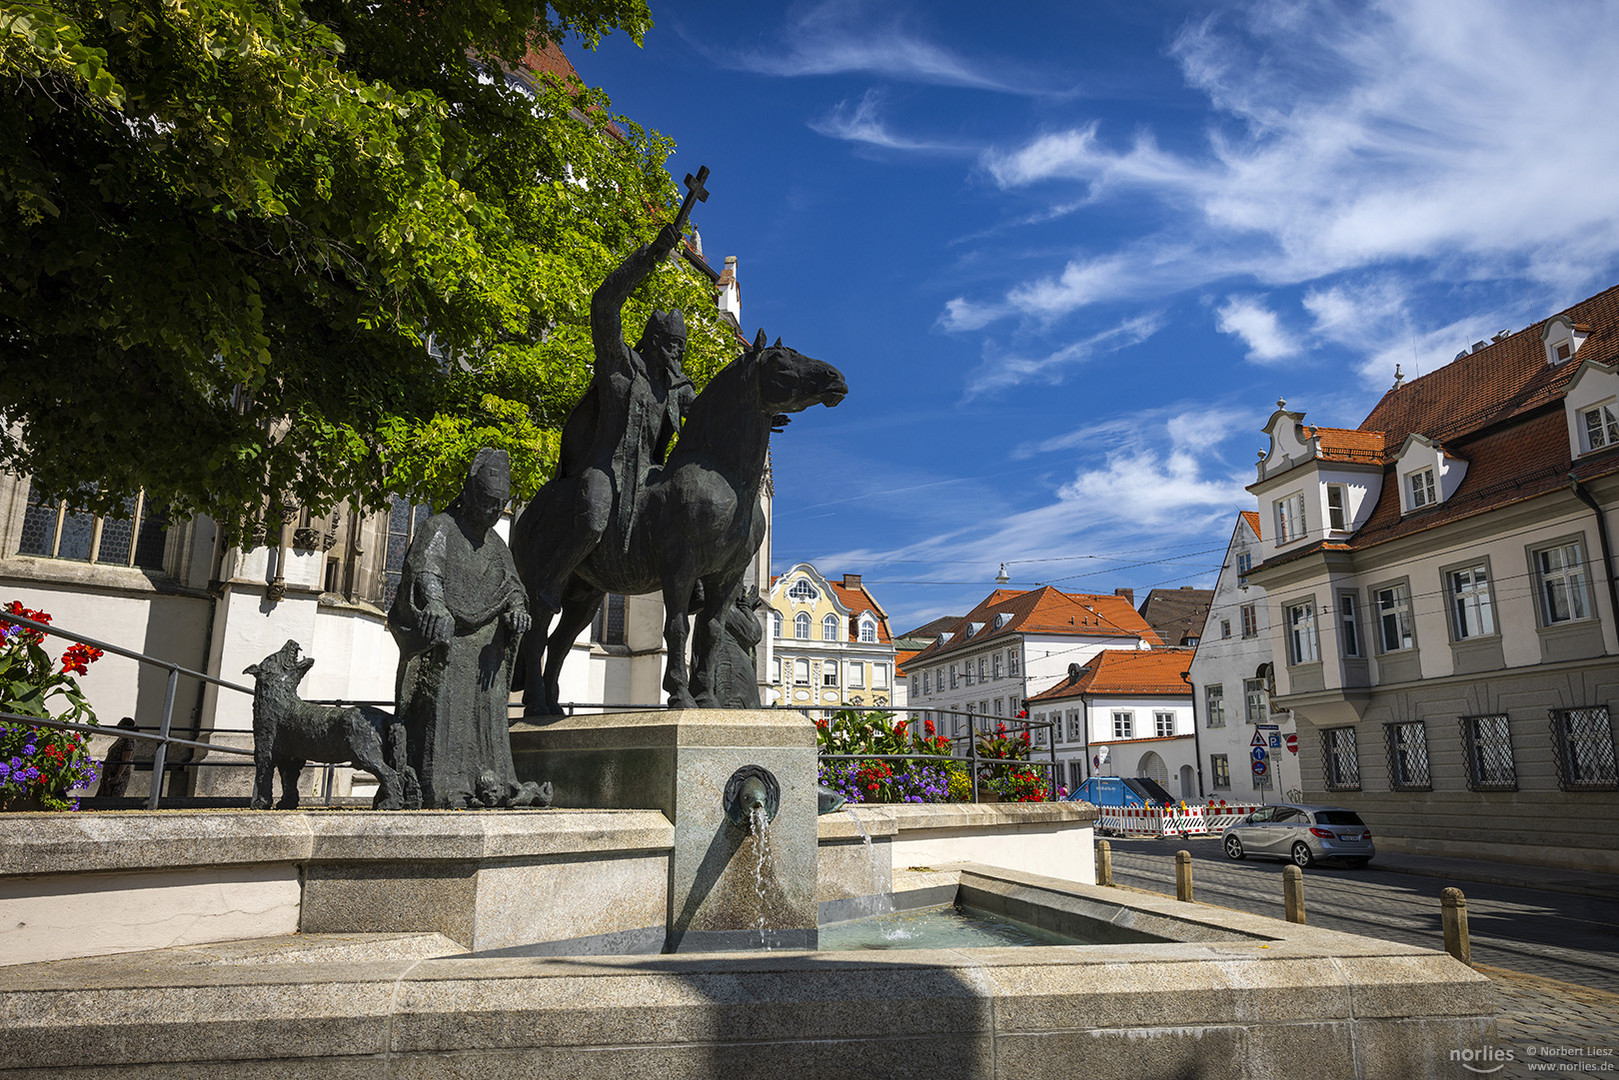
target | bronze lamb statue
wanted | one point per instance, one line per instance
(288, 732)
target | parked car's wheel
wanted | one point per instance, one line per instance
(1302, 855)
(1233, 848)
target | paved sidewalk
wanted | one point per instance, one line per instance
(1554, 1028)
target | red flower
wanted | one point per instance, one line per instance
(927, 725)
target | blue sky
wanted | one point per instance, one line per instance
(1069, 255)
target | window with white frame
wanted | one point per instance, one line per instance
(953, 673)
(1250, 621)
(1245, 563)
(1393, 618)
(775, 624)
(856, 675)
(868, 630)
(1214, 706)
(927, 682)
(1337, 507)
(1255, 701)
(1599, 427)
(1012, 663)
(1348, 624)
(775, 670)
(879, 676)
(914, 683)
(1340, 760)
(829, 673)
(1560, 583)
(801, 626)
(995, 662)
(1220, 769)
(1290, 518)
(1000, 703)
(1163, 724)
(1420, 487)
(803, 592)
(829, 628)
(983, 669)
(1124, 725)
(1302, 647)
(967, 671)
(801, 672)
(1472, 614)
(1225, 628)
(1076, 726)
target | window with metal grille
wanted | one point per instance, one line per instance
(1408, 756)
(1583, 740)
(1340, 762)
(1487, 749)
(1214, 698)
(136, 538)
(1220, 766)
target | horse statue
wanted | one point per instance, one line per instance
(697, 521)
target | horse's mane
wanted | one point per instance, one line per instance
(713, 413)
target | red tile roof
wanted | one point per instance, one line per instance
(1500, 410)
(1046, 610)
(1252, 518)
(858, 600)
(1347, 445)
(1119, 672)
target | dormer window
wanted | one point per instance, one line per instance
(1600, 426)
(1337, 507)
(868, 630)
(1001, 619)
(1290, 519)
(973, 628)
(1562, 339)
(1422, 489)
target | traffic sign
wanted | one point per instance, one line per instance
(1261, 768)
(1258, 740)
(1259, 753)
(1292, 744)
(1275, 742)
(1268, 727)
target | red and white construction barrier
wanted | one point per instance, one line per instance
(1170, 821)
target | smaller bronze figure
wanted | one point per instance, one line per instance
(736, 679)
(289, 732)
(458, 616)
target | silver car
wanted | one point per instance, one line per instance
(1301, 834)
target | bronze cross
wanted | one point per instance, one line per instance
(694, 190)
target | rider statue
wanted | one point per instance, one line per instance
(620, 429)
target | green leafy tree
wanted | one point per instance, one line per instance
(230, 228)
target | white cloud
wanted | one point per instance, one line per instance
(1249, 319)
(1002, 370)
(846, 36)
(860, 122)
(1411, 133)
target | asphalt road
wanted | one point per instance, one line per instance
(1552, 935)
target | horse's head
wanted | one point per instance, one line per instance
(791, 382)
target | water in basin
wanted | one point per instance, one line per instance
(953, 927)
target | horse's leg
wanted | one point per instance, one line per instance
(678, 583)
(719, 592)
(579, 603)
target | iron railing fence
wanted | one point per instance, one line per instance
(977, 724)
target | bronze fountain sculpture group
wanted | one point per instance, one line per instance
(623, 514)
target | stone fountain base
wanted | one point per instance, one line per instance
(727, 888)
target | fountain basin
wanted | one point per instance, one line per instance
(1226, 995)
